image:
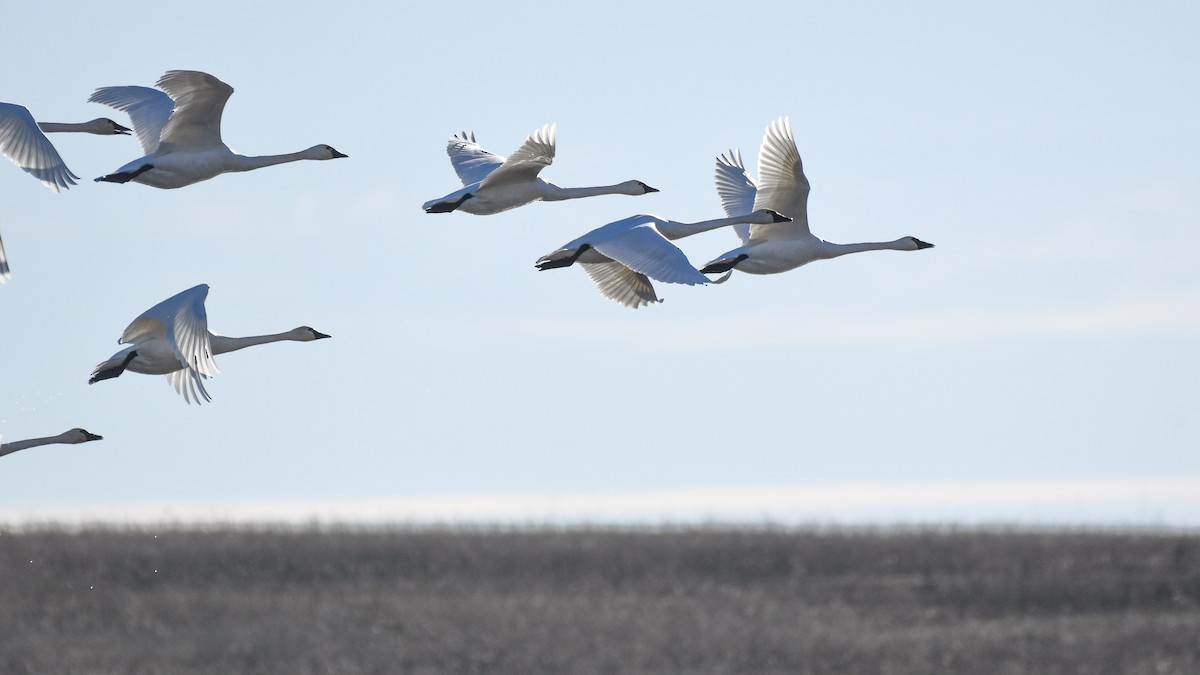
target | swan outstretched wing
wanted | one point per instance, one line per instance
(189, 384)
(199, 101)
(149, 110)
(22, 142)
(618, 282)
(782, 185)
(644, 250)
(470, 161)
(5, 274)
(183, 323)
(736, 190)
(535, 154)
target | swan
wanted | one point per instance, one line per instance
(772, 248)
(23, 141)
(621, 257)
(172, 339)
(70, 437)
(180, 132)
(492, 184)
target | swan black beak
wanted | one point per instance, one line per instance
(647, 188)
(92, 437)
(337, 154)
(120, 130)
(922, 244)
(319, 335)
(779, 217)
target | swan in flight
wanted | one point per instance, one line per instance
(23, 141)
(70, 437)
(772, 248)
(621, 257)
(180, 132)
(493, 184)
(172, 339)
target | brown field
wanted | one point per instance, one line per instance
(599, 601)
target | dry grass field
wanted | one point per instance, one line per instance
(599, 601)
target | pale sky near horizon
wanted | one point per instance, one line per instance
(1048, 150)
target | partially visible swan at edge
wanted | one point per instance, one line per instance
(493, 184)
(621, 257)
(72, 437)
(778, 247)
(23, 141)
(172, 339)
(180, 132)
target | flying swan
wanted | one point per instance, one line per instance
(772, 248)
(23, 141)
(172, 339)
(180, 132)
(621, 257)
(70, 437)
(493, 184)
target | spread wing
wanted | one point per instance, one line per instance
(618, 282)
(189, 384)
(643, 249)
(183, 323)
(535, 154)
(470, 161)
(149, 110)
(22, 142)
(736, 190)
(5, 274)
(199, 101)
(782, 185)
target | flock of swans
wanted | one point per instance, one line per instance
(178, 126)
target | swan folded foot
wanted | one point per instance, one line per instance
(112, 371)
(551, 262)
(447, 207)
(124, 176)
(719, 266)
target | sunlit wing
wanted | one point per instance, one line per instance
(782, 185)
(23, 143)
(470, 161)
(736, 190)
(149, 110)
(182, 321)
(189, 384)
(199, 101)
(618, 282)
(645, 251)
(5, 274)
(535, 154)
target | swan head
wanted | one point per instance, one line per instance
(78, 435)
(917, 244)
(765, 216)
(102, 126)
(307, 334)
(636, 187)
(323, 152)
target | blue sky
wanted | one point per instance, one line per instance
(1048, 151)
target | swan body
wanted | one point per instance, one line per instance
(23, 141)
(772, 248)
(172, 339)
(492, 184)
(621, 257)
(70, 437)
(179, 129)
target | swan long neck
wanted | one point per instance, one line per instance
(7, 448)
(672, 229)
(222, 344)
(53, 127)
(554, 193)
(244, 163)
(835, 250)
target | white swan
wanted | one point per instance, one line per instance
(492, 184)
(172, 339)
(778, 247)
(621, 257)
(180, 132)
(23, 141)
(71, 437)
